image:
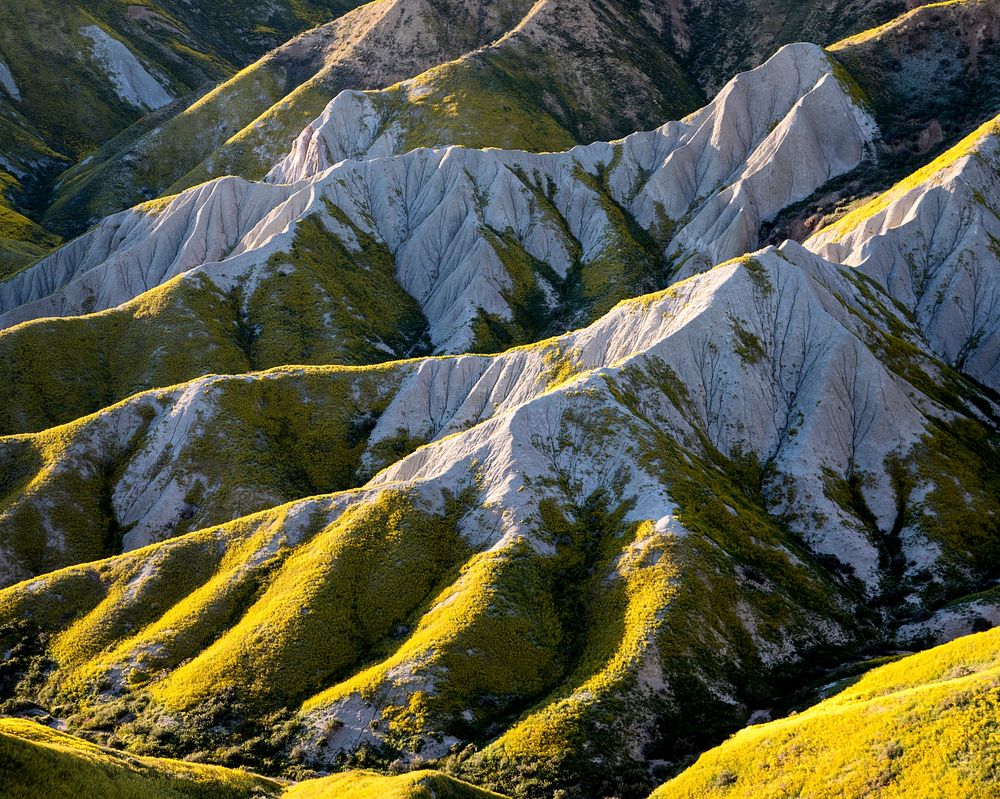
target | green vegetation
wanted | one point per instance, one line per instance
(874, 33)
(186, 48)
(629, 263)
(21, 240)
(36, 761)
(57, 370)
(100, 186)
(356, 580)
(476, 102)
(531, 314)
(553, 647)
(284, 435)
(859, 215)
(921, 727)
(362, 785)
(321, 303)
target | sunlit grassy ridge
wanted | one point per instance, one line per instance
(920, 728)
(372, 621)
(555, 650)
(416, 785)
(37, 761)
(356, 581)
(873, 33)
(924, 175)
(359, 785)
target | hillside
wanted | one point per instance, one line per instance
(952, 46)
(38, 760)
(924, 726)
(500, 510)
(75, 75)
(447, 74)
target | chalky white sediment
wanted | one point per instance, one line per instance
(721, 171)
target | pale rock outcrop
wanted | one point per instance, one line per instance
(430, 207)
(130, 79)
(352, 126)
(932, 243)
(952, 621)
(132, 252)
(8, 83)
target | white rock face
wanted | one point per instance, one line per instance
(806, 393)
(130, 79)
(132, 252)
(352, 126)
(432, 208)
(8, 83)
(932, 244)
(951, 622)
(817, 402)
(769, 138)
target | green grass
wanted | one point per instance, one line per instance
(925, 174)
(187, 48)
(922, 727)
(91, 190)
(874, 33)
(57, 370)
(355, 580)
(362, 785)
(318, 304)
(36, 762)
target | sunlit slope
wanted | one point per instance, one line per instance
(75, 74)
(932, 240)
(921, 728)
(444, 250)
(361, 785)
(952, 46)
(456, 73)
(38, 762)
(597, 538)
